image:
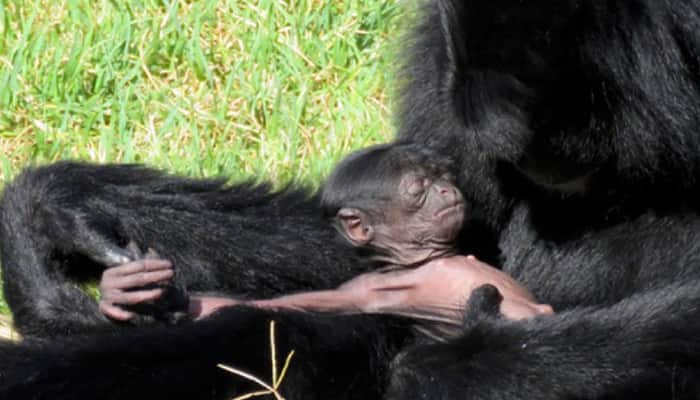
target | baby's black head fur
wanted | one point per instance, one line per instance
(369, 178)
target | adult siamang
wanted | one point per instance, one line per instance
(573, 126)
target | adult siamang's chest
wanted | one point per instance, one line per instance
(599, 264)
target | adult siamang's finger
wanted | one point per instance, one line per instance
(107, 254)
(99, 248)
(134, 249)
(115, 312)
(135, 297)
(139, 266)
(140, 279)
(151, 254)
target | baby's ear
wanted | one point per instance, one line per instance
(354, 224)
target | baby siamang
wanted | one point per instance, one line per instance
(399, 203)
(573, 132)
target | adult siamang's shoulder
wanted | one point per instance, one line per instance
(584, 86)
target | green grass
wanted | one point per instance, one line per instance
(272, 89)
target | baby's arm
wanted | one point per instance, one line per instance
(343, 301)
(437, 291)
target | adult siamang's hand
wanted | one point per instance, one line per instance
(132, 283)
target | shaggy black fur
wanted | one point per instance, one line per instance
(574, 126)
(241, 239)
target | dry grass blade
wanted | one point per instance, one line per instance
(6, 330)
(277, 378)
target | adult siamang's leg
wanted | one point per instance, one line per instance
(68, 221)
(334, 358)
(644, 347)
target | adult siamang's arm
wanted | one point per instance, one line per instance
(642, 347)
(67, 221)
(339, 358)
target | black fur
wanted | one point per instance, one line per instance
(180, 362)
(574, 128)
(242, 239)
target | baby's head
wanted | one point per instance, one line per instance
(398, 200)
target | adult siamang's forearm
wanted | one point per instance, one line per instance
(70, 220)
(352, 353)
(41, 224)
(641, 347)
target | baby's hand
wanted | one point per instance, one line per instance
(120, 285)
(439, 290)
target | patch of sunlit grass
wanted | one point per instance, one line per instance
(6, 330)
(267, 88)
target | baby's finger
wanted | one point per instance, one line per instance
(545, 309)
(136, 297)
(144, 265)
(141, 279)
(115, 312)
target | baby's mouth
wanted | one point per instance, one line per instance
(451, 209)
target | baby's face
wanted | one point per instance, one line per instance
(426, 213)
